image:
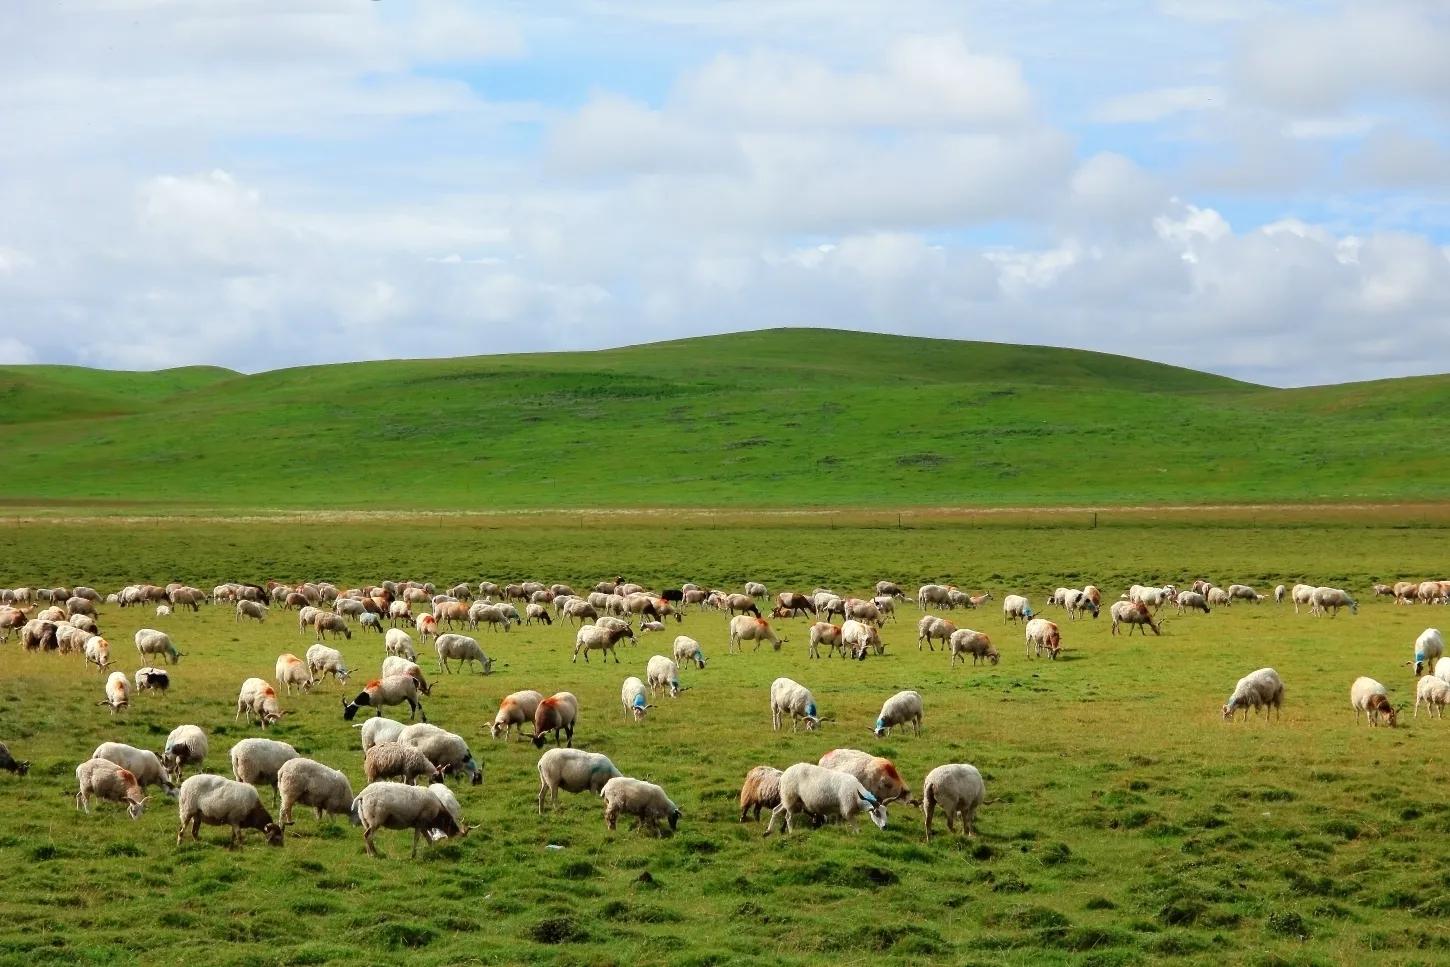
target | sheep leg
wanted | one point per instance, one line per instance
(416, 834)
(180, 832)
(368, 847)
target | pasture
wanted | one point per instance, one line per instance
(1126, 820)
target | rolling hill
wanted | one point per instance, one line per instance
(778, 418)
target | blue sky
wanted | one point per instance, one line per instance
(1261, 189)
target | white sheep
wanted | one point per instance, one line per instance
(791, 698)
(1370, 697)
(902, 708)
(572, 770)
(392, 690)
(633, 696)
(118, 692)
(1433, 692)
(746, 628)
(398, 665)
(104, 779)
(956, 789)
(1016, 607)
(600, 637)
(1262, 689)
(1043, 635)
(462, 649)
(258, 700)
(393, 805)
(1302, 594)
(251, 609)
(1429, 647)
(218, 801)
(256, 761)
(293, 671)
(662, 674)
(306, 782)
(323, 660)
(185, 746)
(150, 642)
(516, 710)
(645, 801)
(449, 751)
(965, 641)
(377, 730)
(687, 650)
(859, 638)
(398, 642)
(1279, 592)
(143, 764)
(1331, 600)
(394, 760)
(811, 789)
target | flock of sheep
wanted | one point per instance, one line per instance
(407, 765)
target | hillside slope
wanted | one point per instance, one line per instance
(774, 418)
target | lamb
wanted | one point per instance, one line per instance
(397, 642)
(1332, 599)
(761, 790)
(633, 697)
(805, 788)
(322, 661)
(794, 699)
(537, 612)
(1016, 607)
(10, 764)
(823, 632)
(745, 628)
(1262, 689)
(1279, 591)
(1370, 697)
(394, 760)
(859, 637)
(462, 649)
(151, 642)
(163, 611)
(291, 671)
(378, 730)
(150, 679)
(257, 761)
(598, 637)
(515, 710)
(118, 692)
(899, 709)
(1429, 647)
(185, 746)
(573, 770)
(104, 779)
(687, 650)
(325, 622)
(1191, 601)
(1134, 615)
(645, 801)
(307, 782)
(556, 714)
(380, 692)
(258, 700)
(956, 789)
(144, 765)
(877, 774)
(391, 805)
(1043, 635)
(1434, 692)
(446, 749)
(662, 674)
(965, 641)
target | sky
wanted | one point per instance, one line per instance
(1258, 189)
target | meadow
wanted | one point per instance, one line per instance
(1126, 820)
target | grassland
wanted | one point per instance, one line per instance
(1129, 822)
(785, 418)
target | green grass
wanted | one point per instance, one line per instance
(783, 418)
(1128, 823)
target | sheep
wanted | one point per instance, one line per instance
(662, 674)
(806, 788)
(448, 750)
(933, 594)
(742, 604)
(97, 651)
(794, 699)
(218, 801)
(391, 690)
(1076, 602)
(1429, 646)
(823, 632)
(1279, 592)
(859, 636)
(1043, 635)
(1191, 601)
(572, 770)
(335, 623)
(378, 730)
(10, 764)
(556, 714)
(761, 790)
(251, 609)
(163, 611)
(1434, 692)
(1134, 615)
(879, 775)
(1242, 592)
(514, 711)
(144, 765)
(150, 679)
(397, 642)
(490, 614)
(151, 642)
(687, 649)
(391, 805)
(633, 696)
(645, 801)
(104, 779)
(118, 692)
(258, 700)
(956, 789)
(185, 746)
(577, 609)
(310, 783)
(394, 760)
(899, 709)
(1302, 594)
(745, 628)
(291, 671)
(599, 637)
(930, 627)
(1262, 689)
(755, 589)
(39, 635)
(537, 612)
(394, 665)
(1370, 697)
(322, 661)
(256, 761)
(1429, 592)
(1016, 607)
(965, 641)
(1325, 599)
(462, 649)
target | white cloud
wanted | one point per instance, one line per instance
(1145, 107)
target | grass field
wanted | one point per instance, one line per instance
(783, 418)
(1128, 823)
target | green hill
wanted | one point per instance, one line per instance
(760, 419)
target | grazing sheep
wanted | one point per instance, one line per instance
(150, 679)
(251, 609)
(745, 628)
(10, 764)
(572, 770)
(97, 651)
(1134, 615)
(931, 627)
(1191, 601)
(1429, 647)
(104, 779)
(761, 790)
(823, 632)
(397, 642)
(378, 730)
(306, 782)
(150, 642)
(1043, 635)
(163, 611)
(256, 761)
(144, 765)
(599, 637)
(291, 671)
(1331, 600)
(370, 622)
(1279, 592)
(879, 775)
(334, 623)
(118, 692)
(462, 649)
(322, 661)
(1242, 592)
(391, 805)
(536, 613)
(741, 604)
(185, 746)
(791, 698)
(860, 638)
(1016, 607)
(394, 760)
(449, 751)
(1434, 692)
(1370, 697)
(1262, 689)
(381, 692)
(687, 650)
(810, 789)
(956, 789)
(395, 665)
(218, 801)
(899, 709)
(577, 609)
(662, 674)
(645, 801)
(516, 710)
(258, 700)
(965, 641)
(492, 615)
(1303, 594)
(1076, 602)
(556, 714)
(755, 589)
(933, 594)
(633, 697)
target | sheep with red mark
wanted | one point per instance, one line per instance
(103, 779)
(815, 791)
(382, 692)
(745, 628)
(930, 627)
(395, 665)
(514, 712)
(556, 714)
(876, 773)
(860, 637)
(1371, 698)
(293, 672)
(825, 633)
(258, 700)
(1134, 615)
(1043, 635)
(118, 692)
